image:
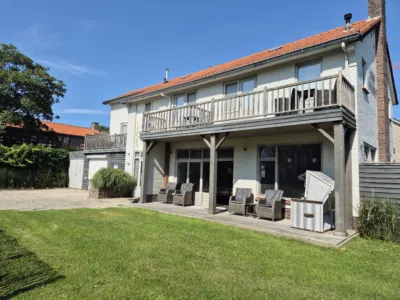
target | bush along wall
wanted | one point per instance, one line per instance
(379, 219)
(111, 183)
(30, 166)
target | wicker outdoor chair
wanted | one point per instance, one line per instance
(184, 196)
(237, 203)
(164, 195)
(271, 206)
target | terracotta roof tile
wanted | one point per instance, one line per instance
(70, 129)
(358, 27)
(66, 129)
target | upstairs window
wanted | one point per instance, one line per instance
(124, 128)
(309, 71)
(240, 86)
(369, 153)
(147, 107)
(184, 99)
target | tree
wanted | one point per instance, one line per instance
(103, 128)
(27, 90)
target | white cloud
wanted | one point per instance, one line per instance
(83, 111)
(38, 36)
(70, 68)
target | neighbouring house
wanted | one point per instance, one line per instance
(396, 140)
(321, 103)
(53, 134)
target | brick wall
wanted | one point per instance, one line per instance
(377, 8)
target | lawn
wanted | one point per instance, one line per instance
(128, 253)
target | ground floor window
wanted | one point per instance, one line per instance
(193, 165)
(281, 165)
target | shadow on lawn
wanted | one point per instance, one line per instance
(21, 270)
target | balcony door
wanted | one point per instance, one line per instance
(239, 105)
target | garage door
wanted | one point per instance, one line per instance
(96, 164)
(75, 173)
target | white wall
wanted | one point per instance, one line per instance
(245, 162)
(118, 115)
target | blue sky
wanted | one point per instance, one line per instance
(102, 49)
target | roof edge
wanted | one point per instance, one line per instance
(352, 37)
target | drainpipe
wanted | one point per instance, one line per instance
(346, 58)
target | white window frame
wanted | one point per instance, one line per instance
(239, 83)
(369, 153)
(122, 125)
(309, 63)
(185, 95)
(151, 107)
(201, 160)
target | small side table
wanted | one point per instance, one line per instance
(251, 210)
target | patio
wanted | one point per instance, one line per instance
(279, 228)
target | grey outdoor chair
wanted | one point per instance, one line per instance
(184, 196)
(237, 203)
(271, 206)
(164, 195)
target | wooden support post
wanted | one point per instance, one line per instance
(166, 163)
(276, 168)
(339, 160)
(212, 205)
(324, 133)
(145, 167)
(221, 141)
(349, 178)
(147, 146)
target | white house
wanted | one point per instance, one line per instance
(320, 103)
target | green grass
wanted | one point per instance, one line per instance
(137, 254)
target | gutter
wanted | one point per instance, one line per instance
(348, 39)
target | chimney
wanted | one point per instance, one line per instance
(347, 18)
(95, 125)
(377, 8)
(166, 75)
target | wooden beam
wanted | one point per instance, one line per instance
(349, 136)
(324, 133)
(339, 161)
(145, 167)
(206, 141)
(166, 162)
(222, 140)
(212, 204)
(150, 146)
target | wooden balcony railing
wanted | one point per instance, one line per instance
(94, 142)
(298, 98)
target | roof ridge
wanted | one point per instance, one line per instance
(67, 124)
(215, 69)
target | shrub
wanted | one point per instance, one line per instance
(114, 180)
(29, 166)
(378, 219)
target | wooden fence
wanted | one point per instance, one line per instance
(380, 180)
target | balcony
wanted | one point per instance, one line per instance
(105, 142)
(329, 98)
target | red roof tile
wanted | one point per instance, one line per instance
(67, 129)
(360, 27)
(70, 129)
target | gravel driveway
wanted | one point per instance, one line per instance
(54, 199)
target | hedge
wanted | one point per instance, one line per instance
(30, 166)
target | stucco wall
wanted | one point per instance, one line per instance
(118, 115)
(245, 162)
(396, 140)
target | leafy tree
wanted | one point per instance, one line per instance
(27, 90)
(103, 128)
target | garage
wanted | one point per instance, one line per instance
(75, 172)
(96, 162)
